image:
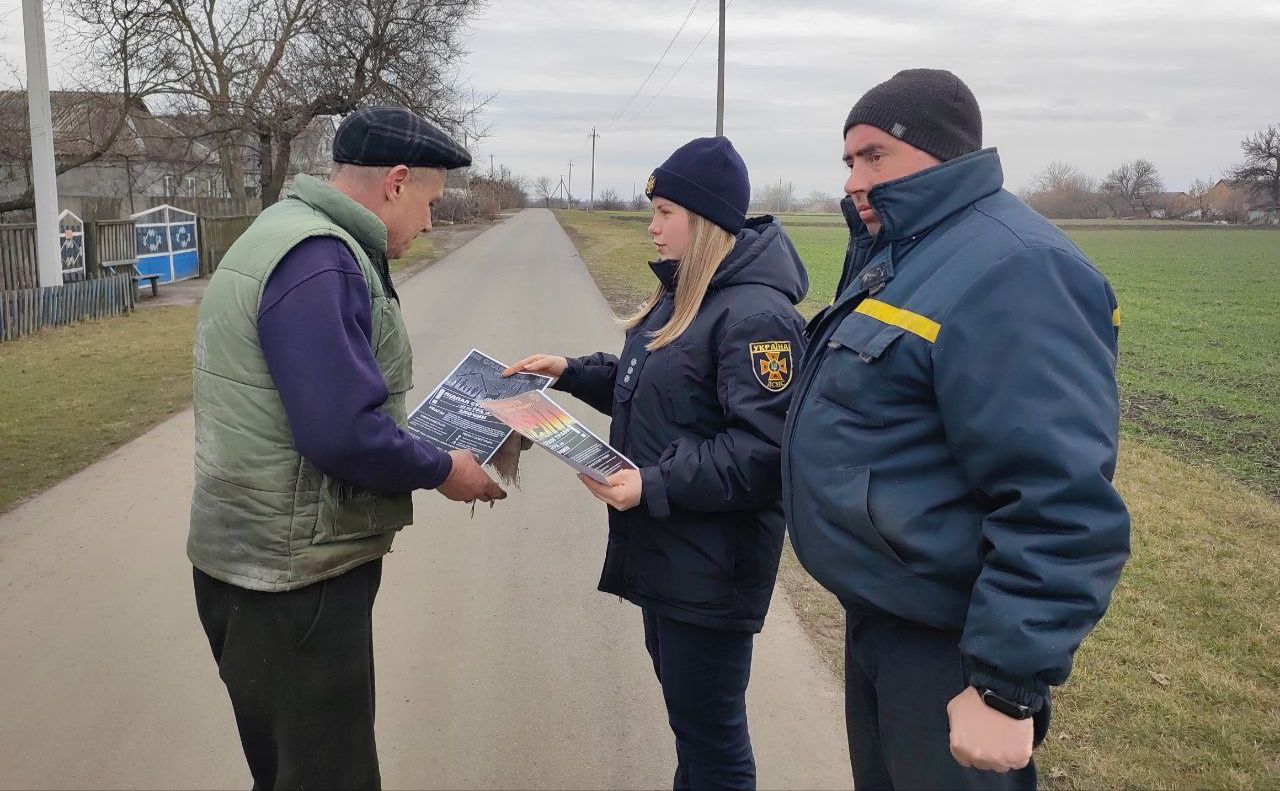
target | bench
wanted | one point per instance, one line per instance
(138, 277)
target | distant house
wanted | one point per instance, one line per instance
(154, 158)
(1174, 206)
(1237, 202)
(150, 156)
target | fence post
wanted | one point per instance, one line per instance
(203, 249)
(92, 251)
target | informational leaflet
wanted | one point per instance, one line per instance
(542, 420)
(451, 417)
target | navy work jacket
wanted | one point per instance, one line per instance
(702, 418)
(949, 455)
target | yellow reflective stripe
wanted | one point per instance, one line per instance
(1115, 317)
(911, 322)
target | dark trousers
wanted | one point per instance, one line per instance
(299, 669)
(704, 674)
(899, 678)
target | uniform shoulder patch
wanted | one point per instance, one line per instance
(772, 364)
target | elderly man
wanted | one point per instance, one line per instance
(303, 470)
(947, 460)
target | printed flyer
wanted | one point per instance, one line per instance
(542, 420)
(451, 418)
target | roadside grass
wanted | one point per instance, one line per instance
(430, 248)
(1200, 339)
(71, 395)
(1179, 687)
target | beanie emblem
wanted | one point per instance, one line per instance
(898, 131)
(648, 188)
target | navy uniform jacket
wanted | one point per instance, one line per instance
(702, 418)
(949, 455)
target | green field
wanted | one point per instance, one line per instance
(1200, 342)
(1179, 687)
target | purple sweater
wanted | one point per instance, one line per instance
(314, 327)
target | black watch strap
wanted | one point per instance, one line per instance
(1005, 706)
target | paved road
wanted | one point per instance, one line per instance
(499, 665)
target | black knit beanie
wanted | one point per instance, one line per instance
(930, 109)
(707, 177)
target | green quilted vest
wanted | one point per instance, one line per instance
(262, 517)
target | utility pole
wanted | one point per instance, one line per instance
(569, 189)
(491, 167)
(44, 179)
(720, 79)
(593, 137)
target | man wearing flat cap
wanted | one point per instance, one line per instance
(948, 457)
(303, 469)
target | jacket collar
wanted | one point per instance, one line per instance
(353, 218)
(666, 271)
(911, 205)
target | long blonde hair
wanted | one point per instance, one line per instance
(709, 244)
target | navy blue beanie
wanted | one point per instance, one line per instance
(707, 177)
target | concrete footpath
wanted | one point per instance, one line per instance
(499, 664)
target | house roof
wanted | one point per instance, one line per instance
(83, 120)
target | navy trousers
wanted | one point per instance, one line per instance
(899, 678)
(704, 674)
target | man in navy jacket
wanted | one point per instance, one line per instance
(947, 460)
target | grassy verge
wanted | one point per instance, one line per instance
(430, 248)
(1200, 342)
(70, 395)
(1180, 685)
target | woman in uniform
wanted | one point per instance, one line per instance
(697, 399)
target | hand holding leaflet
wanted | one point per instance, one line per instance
(542, 420)
(450, 417)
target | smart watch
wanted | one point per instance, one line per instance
(1005, 706)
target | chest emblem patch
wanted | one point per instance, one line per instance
(771, 363)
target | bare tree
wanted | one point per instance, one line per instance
(609, 200)
(258, 72)
(1260, 169)
(542, 189)
(124, 62)
(820, 201)
(1061, 191)
(1134, 185)
(639, 203)
(1198, 193)
(779, 197)
(504, 190)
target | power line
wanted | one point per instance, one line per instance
(618, 115)
(680, 68)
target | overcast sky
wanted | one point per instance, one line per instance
(1091, 82)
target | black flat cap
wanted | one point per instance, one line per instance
(395, 136)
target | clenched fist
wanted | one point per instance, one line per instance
(983, 738)
(468, 482)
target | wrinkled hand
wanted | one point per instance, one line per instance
(468, 482)
(622, 492)
(983, 738)
(545, 364)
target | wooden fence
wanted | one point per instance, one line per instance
(109, 242)
(25, 311)
(18, 257)
(216, 235)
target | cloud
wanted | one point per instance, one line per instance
(1092, 82)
